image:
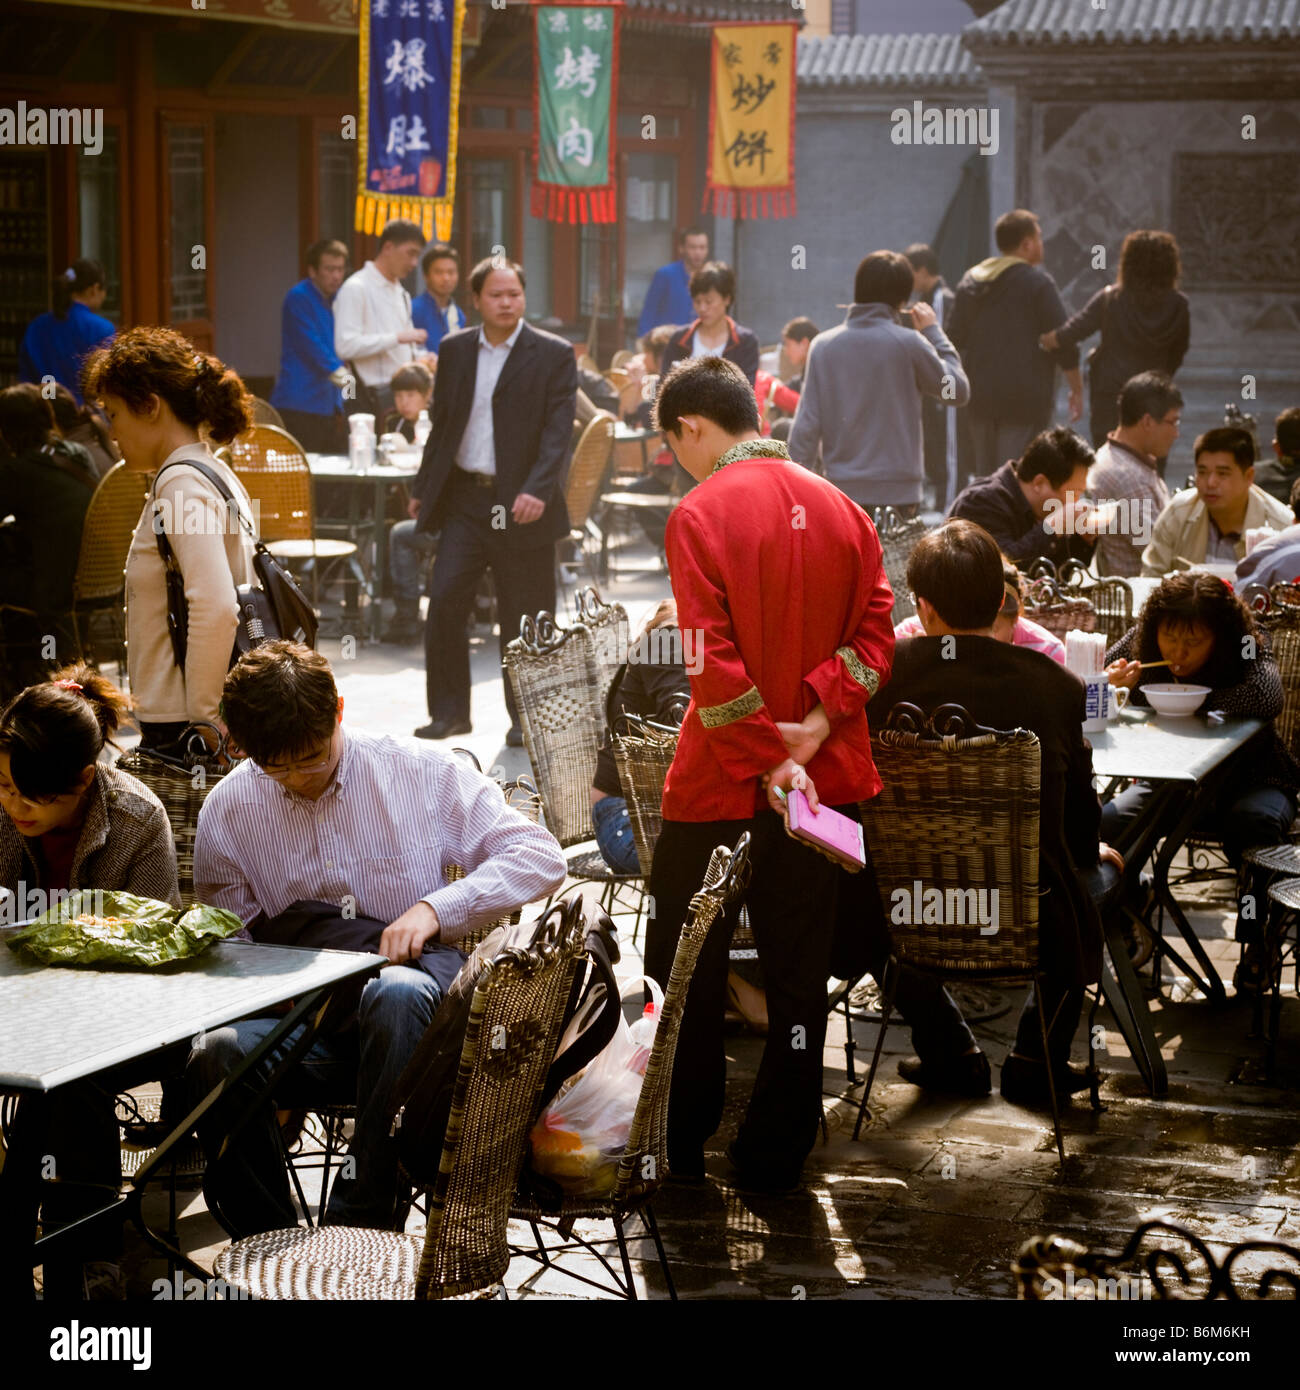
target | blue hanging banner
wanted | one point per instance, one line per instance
(410, 107)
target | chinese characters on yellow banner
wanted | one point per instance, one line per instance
(751, 121)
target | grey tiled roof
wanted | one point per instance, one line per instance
(1143, 21)
(886, 60)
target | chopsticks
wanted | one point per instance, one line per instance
(1148, 665)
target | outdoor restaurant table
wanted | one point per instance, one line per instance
(1188, 759)
(337, 468)
(60, 1024)
(628, 434)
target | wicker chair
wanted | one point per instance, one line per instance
(587, 474)
(98, 588)
(520, 998)
(897, 537)
(1161, 1261)
(607, 625)
(1112, 598)
(960, 807)
(271, 464)
(264, 413)
(1060, 610)
(644, 1164)
(555, 678)
(182, 792)
(643, 756)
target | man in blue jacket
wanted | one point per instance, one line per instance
(436, 311)
(308, 390)
(668, 300)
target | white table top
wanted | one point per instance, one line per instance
(340, 466)
(1159, 748)
(60, 1023)
(623, 432)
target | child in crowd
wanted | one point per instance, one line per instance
(412, 388)
(409, 551)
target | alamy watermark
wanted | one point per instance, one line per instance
(61, 125)
(946, 125)
(952, 907)
(25, 903)
(668, 646)
(1134, 517)
(196, 514)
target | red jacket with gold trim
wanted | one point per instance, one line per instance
(782, 602)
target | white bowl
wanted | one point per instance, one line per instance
(1175, 700)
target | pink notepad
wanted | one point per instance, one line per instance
(839, 836)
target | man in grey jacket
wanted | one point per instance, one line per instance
(863, 384)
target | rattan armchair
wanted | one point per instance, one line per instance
(644, 1165)
(1060, 609)
(98, 587)
(643, 754)
(514, 1026)
(271, 464)
(608, 629)
(897, 538)
(1112, 598)
(958, 814)
(587, 474)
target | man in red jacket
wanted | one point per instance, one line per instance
(779, 580)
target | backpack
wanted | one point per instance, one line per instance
(273, 607)
(422, 1101)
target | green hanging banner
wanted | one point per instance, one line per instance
(575, 109)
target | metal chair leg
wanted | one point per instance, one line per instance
(627, 1263)
(648, 1216)
(1051, 1075)
(892, 973)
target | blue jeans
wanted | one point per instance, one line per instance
(248, 1186)
(614, 836)
(409, 553)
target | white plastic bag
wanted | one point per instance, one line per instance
(580, 1137)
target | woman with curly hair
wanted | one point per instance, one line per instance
(1144, 323)
(1208, 637)
(162, 396)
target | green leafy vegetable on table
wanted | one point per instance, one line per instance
(121, 929)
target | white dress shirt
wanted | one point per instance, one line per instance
(377, 841)
(478, 450)
(370, 310)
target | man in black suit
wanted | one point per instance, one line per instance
(492, 479)
(956, 574)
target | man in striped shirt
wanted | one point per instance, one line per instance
(322, 818)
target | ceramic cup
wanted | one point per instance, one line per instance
(1103, 701)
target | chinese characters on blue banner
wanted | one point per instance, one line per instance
(410, 76)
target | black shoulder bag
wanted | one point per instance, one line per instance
(273, 607)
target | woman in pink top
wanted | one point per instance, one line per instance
(1011, 625)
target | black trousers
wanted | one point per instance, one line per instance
(525, 583)
(791, 900)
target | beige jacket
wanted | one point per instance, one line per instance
(214, 554)
(1183, 529)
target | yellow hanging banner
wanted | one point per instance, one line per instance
(751, 121)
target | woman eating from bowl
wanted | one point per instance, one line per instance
(69, 821)
(1194, 630)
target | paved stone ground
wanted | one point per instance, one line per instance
(939, 1193)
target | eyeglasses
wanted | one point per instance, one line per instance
(278, 774)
